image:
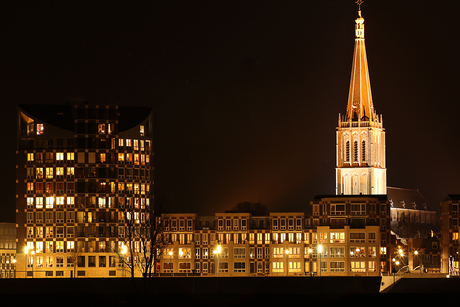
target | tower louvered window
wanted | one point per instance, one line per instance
(355, 151)
(347, 151)
(363, 154)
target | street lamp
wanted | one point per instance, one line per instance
(287, 261)
(26, 251)
(217, 253)
(170, 267)
(124, 250)
(320, 250)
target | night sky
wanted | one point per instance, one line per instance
(246, 94)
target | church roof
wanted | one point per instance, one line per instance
(452, 197)
(380, 197)
(407, 199)
(360, 106)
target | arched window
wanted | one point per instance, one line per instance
(363, 150)
(347, 151)
(355, 151)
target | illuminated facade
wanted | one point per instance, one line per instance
(450, 218)
(80, 169)
(344, 237)
(7, 250)
(360, 136)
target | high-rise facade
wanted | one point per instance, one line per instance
(360, 136)
(83, 176)
(7, 250)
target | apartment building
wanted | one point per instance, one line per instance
(84, 174)
(7, 250)
(344, 236)
(449, 234)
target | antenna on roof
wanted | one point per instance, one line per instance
(359, 2)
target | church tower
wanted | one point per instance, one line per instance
(360, 139)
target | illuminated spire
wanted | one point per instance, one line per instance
(360, 105)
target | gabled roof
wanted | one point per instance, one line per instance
(407, 199)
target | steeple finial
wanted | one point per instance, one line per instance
(360, 106)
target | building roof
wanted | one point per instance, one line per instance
(129, 117)
(58, 115)
(360, 106)
(62, 115)
(378, 196)
(407, 199)
(452, 197)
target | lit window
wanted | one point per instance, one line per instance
(39, 202)
(40, 129)
(60, 201)
(39, 173)
(136, 144)
(70, 172)
(141, 130)
(49, 173)
(128, 142)
(120, 142)
(49, 202)
(59, 156)
(121, 157)
(101, 128)
(129, 158)
(30, 188)
(70, 245)
(30, 158)
(49, 187)
(70, 201)
(101, 202)
(59, 171)
(39, 247)
(278, 267)
(142, 188)
(70, 156)
(102, 158)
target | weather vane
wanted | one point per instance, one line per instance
(359, 2)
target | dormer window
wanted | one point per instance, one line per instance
(40, 129)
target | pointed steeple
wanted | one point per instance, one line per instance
(360, 106)
(360, 136)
